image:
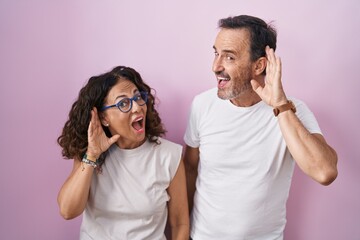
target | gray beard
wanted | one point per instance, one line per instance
(234, 92)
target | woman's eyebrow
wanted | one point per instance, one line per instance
(124, 95)
(121, 96)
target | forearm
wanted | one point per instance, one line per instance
(177, 206)
(191, 175)
(74, 193)
(191, 160)
(180, 232)
(310, 151)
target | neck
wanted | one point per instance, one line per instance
(129, 144)
(249, 97)
(246, 100)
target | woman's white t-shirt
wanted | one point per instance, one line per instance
(128, 200)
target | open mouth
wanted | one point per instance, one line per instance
(139, 124)
(222, 81)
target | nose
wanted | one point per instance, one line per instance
(136, 107)
(217, 65)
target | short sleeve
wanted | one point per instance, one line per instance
(191, 137)
(306, 117)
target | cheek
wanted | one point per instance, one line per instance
(235, 71)
(242, 69)
(118, 120)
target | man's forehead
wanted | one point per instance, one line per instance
(230, 40)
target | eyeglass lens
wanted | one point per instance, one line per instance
(126, 104)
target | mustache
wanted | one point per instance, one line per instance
(222, 75)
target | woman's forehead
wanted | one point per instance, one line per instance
(123, 87)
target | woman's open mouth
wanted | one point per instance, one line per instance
(139, 124)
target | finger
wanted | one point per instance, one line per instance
(270, 60)
(270, 54)
(279, 65)
(90, 128)
(95, 116)
(277, 70)
(268, 70)
(113, 139)
(256, 87)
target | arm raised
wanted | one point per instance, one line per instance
(310, 151)
(74, 193)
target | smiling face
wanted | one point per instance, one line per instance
(232, 65)
(130, 125)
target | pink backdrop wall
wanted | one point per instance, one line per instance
(48, 50)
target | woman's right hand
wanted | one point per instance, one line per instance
(98, 142)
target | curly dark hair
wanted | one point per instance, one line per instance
(261, 33)
(74, 139)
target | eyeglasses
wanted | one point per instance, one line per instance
(125, 104)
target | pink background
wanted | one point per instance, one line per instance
(48, 50)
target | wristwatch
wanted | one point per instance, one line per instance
(285, 107)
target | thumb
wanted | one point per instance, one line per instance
(256, 87)
(114, 138)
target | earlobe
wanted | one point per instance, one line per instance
(104, 122)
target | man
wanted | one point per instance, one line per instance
(244, 137)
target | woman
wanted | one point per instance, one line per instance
(125, 177)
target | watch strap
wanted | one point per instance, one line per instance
(285, 107)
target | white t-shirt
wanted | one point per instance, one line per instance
(128, 200)
(245, 169)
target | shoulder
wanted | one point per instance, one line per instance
(296, 101)
(205, 100)
(167, 146)
(169, 155)
(300, 105)
(208, 95)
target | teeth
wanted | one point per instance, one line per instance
(223, 79)
(138, 119)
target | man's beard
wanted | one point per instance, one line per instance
(239, 87)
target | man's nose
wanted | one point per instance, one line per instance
(217, 66)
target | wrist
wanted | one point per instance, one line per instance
(280, 103)
(90, 156)
(288, 105)
(88, 161)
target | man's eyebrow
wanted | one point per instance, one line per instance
(229, 51)
(226, 50)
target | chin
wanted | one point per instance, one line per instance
(141, 138)
(222, 94)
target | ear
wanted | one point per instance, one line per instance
(103, 120)
(260, 66)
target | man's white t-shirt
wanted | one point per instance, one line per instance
(128, 200)
(245, 169)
